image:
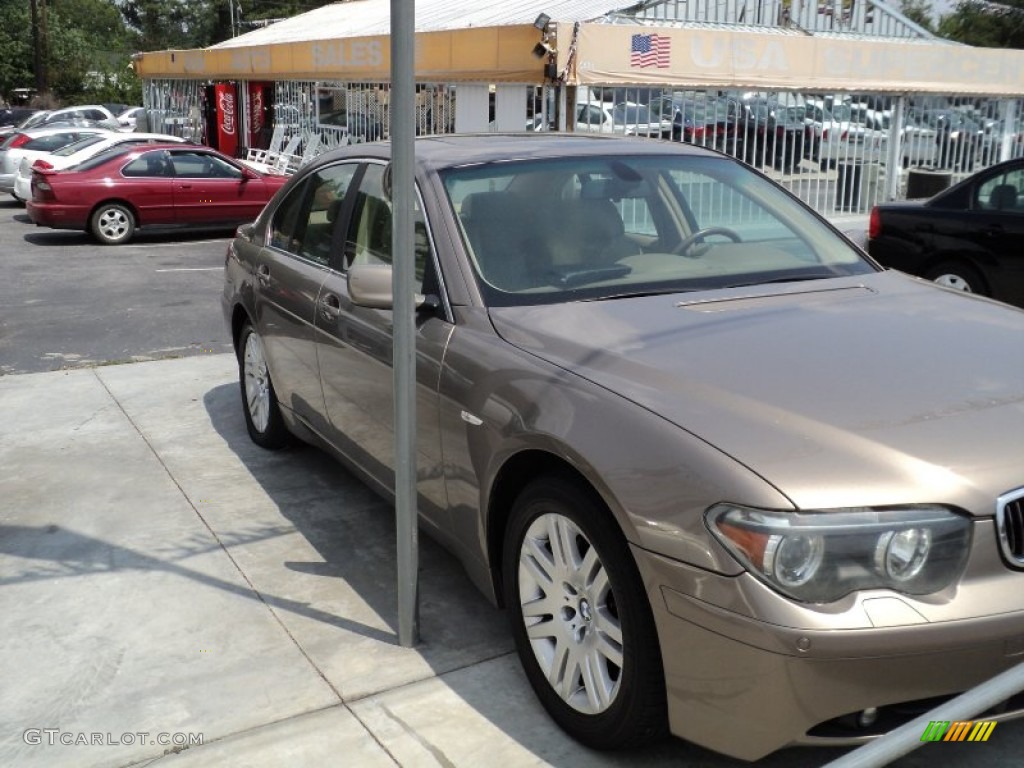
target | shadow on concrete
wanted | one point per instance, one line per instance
(353, 531)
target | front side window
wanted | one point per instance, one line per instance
(201, 165)
(598, 227)
(369, 234)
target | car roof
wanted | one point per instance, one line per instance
(454, 150)
(49, 130)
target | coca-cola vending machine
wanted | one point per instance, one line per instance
(226, 101)
(259, 118)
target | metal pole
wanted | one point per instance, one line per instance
(907, 737)
(403, 155)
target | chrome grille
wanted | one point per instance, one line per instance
(1010, 524)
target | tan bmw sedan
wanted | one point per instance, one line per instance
(729, 479)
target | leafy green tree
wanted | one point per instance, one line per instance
(919, 12)
(982, 23)
(171, 24)
(16, 44)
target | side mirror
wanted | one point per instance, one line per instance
(249, 173)
(369, 285)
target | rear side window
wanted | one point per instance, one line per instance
(102, 157)
(305, 222)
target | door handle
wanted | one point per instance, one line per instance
(330, 306)
(263, 274)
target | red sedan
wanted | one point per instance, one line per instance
(156, 186)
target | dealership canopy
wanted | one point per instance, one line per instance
(591, 42)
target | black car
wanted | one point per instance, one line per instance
(14, 115)
(773, 134)
(969, 237)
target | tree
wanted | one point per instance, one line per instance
(919, 12)
(16, 43)
(172, 24)
(982, 23)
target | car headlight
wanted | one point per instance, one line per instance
(822, 555)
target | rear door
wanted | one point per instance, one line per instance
(291, 268)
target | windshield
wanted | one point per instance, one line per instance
(576, 228)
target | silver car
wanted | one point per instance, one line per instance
(729, 478)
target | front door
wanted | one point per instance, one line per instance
(355, 352)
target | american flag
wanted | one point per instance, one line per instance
(650, 51)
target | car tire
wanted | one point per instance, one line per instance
(263, 418)
(581, 618)
(960, 277)
(112, 224)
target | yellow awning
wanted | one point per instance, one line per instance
(488, 55)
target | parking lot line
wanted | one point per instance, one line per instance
(192, 269)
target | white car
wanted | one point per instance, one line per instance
(127, 120)
(840, 138)
(919, 142)
(625, 118)
(75, 153)
(35, 142)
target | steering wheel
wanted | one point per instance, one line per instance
(700, 234)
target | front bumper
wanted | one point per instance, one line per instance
(746, 686)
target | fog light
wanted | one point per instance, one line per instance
(793, 560)
(900, 556)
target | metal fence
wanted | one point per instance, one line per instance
(838, 152)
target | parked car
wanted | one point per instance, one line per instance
(34, 142)
(78, 152)
(95, 113)
(962, 142)
(969, 237)
(774, 134)
(728, 477)
(128, 119)
(841, 138)
(918, 142)
(626, 118)
(699, 119)
(159, 186)
(11, 116)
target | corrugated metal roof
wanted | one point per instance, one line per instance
(361, 18)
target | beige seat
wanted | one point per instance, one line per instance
(508, 247)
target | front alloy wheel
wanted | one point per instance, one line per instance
(570, 614)
(581, 618)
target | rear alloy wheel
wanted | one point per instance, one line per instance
(581, 618)
(959, 277)
(259, 401)
(113, 224)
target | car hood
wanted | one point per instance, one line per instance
(879, 389)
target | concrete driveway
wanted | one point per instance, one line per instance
(165, 582)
